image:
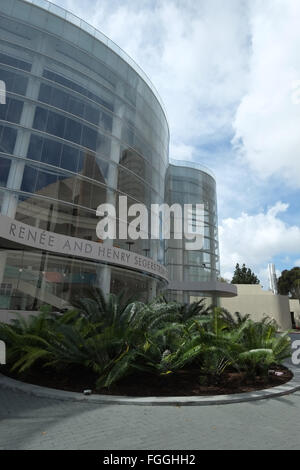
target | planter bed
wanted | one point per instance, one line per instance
(183, 383)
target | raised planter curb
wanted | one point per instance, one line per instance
(44, 392)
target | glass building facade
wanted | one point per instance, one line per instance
(191, 183)
(82, 125)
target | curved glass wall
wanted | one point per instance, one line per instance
(191, 185)
(32, 279)
(80, 126)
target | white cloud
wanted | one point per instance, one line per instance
(267, 122)
(195, 53)
(223, 68)
(182, 152)
(256, 239)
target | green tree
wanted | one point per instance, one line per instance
(289, 283)
(244, 275)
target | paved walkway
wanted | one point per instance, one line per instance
(37, 423)
(28, 422)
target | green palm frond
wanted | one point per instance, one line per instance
(114, 336)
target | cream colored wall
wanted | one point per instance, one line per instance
(7, 315)
(295, 307)
(257, 302)
(207, 300)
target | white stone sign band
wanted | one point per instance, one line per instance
(33, 237)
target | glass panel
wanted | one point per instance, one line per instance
(174, 256)
(104, 145)
(21, 10)
(20, 85)
(40, 119)
(42, 3)
(7, 139)
(69, 158)
(83, 91)
(56, 124)
(71, 33)
(87, 164)
(98, 196)
(66, 188)
(106, 121)
(14, 110)
(75, 107)
(101, 170)
(51, 152)
(83, 192)
(6, 6)
(29, 179)
(38, 16)
(59, 98)
(55, 25)
(91, 114)
(8, 78)
(86, 41)
(35, 147)
(46, 184)
(65, 101)
(17, 63)
(4, 170)
(3, 109)
(89, 138)
(73, 131)
(57, 10)
(130, 184)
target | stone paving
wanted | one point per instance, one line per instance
(28, 422)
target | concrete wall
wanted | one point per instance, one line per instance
(7, 315)
(257, 302)
(251, 299)
(295, 307)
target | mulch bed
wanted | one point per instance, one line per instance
(183, 383)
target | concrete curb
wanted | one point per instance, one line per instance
(43, 392)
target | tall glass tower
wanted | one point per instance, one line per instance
(193, 273)
(82, 125)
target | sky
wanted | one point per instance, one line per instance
(228, 73)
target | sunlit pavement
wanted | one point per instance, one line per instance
(29, 422)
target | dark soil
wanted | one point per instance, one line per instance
(183, 383)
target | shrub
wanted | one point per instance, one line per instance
(115, 337)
